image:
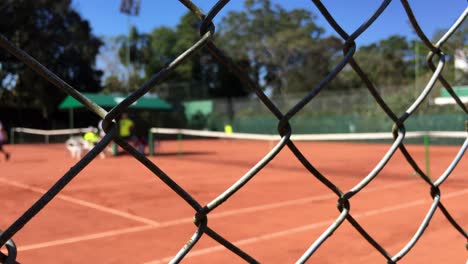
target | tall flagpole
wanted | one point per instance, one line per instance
(130, 8)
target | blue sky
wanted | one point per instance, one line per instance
(106, 20)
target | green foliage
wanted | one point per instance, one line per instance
(135, 49)
(55, 35)
(386, 62)
(283, 50)
(282, 45)
(112, 84)
(150, 53)
(162, 49)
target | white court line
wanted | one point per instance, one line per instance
(87, 237)
(107, 185)
(190, 220)
(256, 239)
(302, 201)
(83, 203)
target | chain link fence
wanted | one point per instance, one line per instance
(436, 60)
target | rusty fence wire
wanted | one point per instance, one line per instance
(436, 59)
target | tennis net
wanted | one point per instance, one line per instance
(167, 141)
(414, 137)
(191, 133)
(32, 135)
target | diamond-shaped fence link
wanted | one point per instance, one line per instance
(435, 60)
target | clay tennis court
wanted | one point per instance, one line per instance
(116, 211)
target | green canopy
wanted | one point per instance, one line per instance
(112, 100)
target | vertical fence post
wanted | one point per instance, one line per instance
(150, 143)
(114, 149)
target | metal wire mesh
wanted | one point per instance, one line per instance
(435, 60)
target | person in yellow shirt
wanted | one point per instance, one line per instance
(91, 136)
(127, 132)
(126, 126)
(228, 129)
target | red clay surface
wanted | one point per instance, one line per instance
(116, 211)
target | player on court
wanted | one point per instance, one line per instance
(3, 140)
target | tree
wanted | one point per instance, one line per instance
(196, 78)
(109, 58)
(187, 35)
(282, 46)
(162, 49)
(149, 53)
(139, 49)
(112, 84)
(390, 62)
(55, 35)
(457, 43)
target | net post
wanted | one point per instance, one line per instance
(114, 149)
(150, 143)
(426, 153)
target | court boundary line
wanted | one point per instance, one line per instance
(85, 187)
(255, 239)
(187, 220)
(83, 203)
(78, 239)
